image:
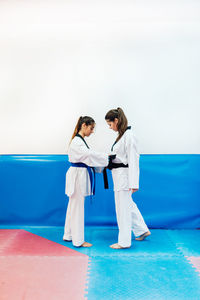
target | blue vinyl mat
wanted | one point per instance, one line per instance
(32, 192)
(156, 268)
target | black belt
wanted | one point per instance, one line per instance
(111, 166)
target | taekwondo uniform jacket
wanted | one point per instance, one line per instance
(78, 152)
(127, 153)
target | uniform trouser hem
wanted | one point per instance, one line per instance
(141, 233)
(77, 244)
(124, 246)
(68, 238)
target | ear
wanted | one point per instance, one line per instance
(116, 121)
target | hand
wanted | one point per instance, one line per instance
(111, 157)
(109, 166)
(133, 190)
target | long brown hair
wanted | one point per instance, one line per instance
(87, 120)
(122, 120)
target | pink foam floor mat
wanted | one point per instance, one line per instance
(195, 261)
(33, 267)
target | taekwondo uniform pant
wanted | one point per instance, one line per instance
(74, 222)
(129, 218)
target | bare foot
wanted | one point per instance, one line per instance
(117, 246)
(86, 245)
(143, 236)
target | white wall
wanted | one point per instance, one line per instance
(62, 59)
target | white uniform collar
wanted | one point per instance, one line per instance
(129, 127)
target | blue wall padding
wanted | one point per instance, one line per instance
(32, 192)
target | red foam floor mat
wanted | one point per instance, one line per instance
(21, 242)
(195, 261)
(33, 267)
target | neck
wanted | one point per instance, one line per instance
(81, 133)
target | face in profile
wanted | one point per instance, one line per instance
(88, 129)
(113, 124)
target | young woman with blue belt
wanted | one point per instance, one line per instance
(80, 180)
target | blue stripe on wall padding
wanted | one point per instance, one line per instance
(32, 192)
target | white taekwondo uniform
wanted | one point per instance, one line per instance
(78, 186)
(129, 217)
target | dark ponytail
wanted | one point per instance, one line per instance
(87, 120)
(122, 120)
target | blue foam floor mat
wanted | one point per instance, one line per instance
(187, 241)
(158, 243)
(162, 278)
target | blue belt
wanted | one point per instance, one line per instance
(89, 169)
